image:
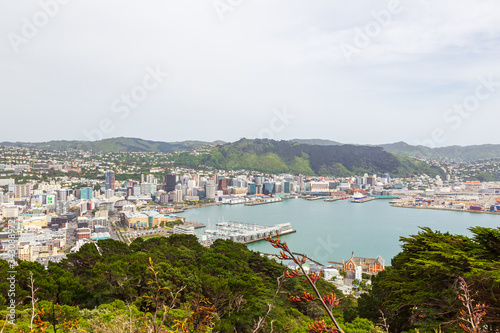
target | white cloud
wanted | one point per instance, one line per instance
(262, 55)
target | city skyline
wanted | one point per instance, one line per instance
(372, 72)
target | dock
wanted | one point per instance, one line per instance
(196, 225)
(246, 232)
(335, 199)
(447, 209)
(367, 199)
(263, 202)
(314, 198)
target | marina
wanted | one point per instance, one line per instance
(245, 233)
(339, 228)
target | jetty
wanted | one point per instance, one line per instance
(263, 201)
(314, 198)
(248, 233)
(196, 225)
(363, 200)
(335, 199)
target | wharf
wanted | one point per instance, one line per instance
(196, 225)
(261, 202)
(363, 200)
(335, 199)
(448, 209)
(246, 232)
(314, 198)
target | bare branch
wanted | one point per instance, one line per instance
(262, 321)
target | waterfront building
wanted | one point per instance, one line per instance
(368, 265)
(183, 229)
(251, 189)
(210, 191)
(286, 187)
(258, 179)
(269, 188)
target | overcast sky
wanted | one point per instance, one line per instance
(369, 71)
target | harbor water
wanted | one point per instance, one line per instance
(331, 231)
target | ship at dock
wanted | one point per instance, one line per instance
(360, 198)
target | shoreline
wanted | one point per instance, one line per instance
(449, 209)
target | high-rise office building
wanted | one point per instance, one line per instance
(169, 180)
(109, 193)
(258, 179)
(151, 179)
(224, 183)
(251, 188)
(178, 196)
(210, 191)
(62, 195)
(86, 193)
(269, 188)
(110, 180)
(286, 187)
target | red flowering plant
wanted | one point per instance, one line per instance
(328, 301)
(471, 314)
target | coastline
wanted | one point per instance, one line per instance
(449, 209)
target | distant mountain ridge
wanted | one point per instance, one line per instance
(120, 144)
(453, 153)
(456, 153)
(319, 142)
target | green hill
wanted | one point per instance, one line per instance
(455, 153)
(114, 145)
(270, 156)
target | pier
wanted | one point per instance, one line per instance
(367, 199)
(314, 198)
(335, 199)
(248, 233)
(263, 202)
(196, 225)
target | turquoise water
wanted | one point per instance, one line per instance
(330, 231)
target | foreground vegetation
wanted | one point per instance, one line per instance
(175, 285)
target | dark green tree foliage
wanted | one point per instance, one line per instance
(238, 282)
(420, 289)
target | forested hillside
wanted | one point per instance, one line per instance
(227, 288)
(276, 157)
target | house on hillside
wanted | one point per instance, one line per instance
(368, 265)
